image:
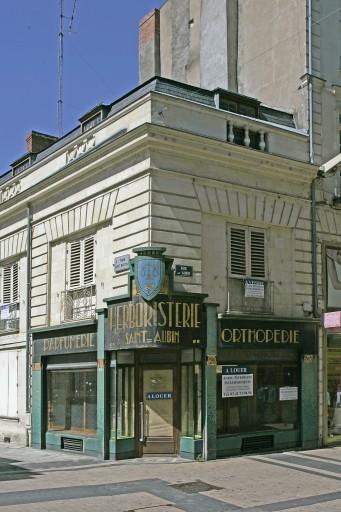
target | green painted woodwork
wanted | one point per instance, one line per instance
(191, 448)
(232, 445)
(102, 377)
(210, 385)
(53, 442)
(38, 438)
(120, 449)
(309, 403)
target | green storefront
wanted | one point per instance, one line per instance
(159, 374)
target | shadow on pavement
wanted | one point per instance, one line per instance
(10, 469)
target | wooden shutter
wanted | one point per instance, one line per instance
(88, 259)
(6, 285)
(257, 253)
(15, 282)
(75, 264)
(237, 251)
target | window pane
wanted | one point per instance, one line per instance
(72, 401)
(187, 416)
(125, 396)
(272, 406)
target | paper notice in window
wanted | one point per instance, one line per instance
(4, 312)
(288, 393)
(236, 386)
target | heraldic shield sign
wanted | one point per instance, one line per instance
(149, 275)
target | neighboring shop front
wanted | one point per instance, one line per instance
(267, 394)
(64, 388)
(332, 346)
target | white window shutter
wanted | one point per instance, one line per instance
(237, 251)
(257, 253)
(7, 285)
(75, 264)
(15, 282)
(89, 246)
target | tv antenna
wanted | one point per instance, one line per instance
(71, 18)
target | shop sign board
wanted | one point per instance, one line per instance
(236, 381)
(254, 289)
(68, 344)
(332, 319)
(261, 334)
(333, 277)
(288, 393)
(167, 321)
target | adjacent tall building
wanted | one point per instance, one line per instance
(286, 54)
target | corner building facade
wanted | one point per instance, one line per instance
(170, 268)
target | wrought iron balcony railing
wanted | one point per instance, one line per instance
(9, 318)
(78, 304)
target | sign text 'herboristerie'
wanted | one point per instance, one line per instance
(166, 321)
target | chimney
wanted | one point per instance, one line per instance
(36, 142)
(149, 46)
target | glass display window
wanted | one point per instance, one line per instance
(257, 397)
(72, 400)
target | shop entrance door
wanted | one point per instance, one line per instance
(157, 409)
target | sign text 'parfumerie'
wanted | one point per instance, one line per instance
(168, 321)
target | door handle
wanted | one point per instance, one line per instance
(141, 408)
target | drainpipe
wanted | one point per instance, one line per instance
(314, 246)
(28, 309)
(310, 85)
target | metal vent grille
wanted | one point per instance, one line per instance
(70, 443)
(255, 444)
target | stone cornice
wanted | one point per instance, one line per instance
(145, 139)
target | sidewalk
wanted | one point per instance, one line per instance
(37, 481)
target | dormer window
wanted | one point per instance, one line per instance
(21, 167)
(92, 122)
(94, 117)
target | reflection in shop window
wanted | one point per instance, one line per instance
(123, 411)
(191, 395)
(72, 401)
(274, 404)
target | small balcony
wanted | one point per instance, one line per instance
(250, 296)
(78, 304)
(9, 318)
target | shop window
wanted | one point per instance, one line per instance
(246, 252)
(334, 388)
(272, 403)
(9, 383)
(191, 394)
(123, 396)
(72, 400)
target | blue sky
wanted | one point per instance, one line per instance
(100, 63)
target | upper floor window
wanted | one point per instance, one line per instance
(246, 252)
(81, 263)
(92, 122)
(10, 284)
